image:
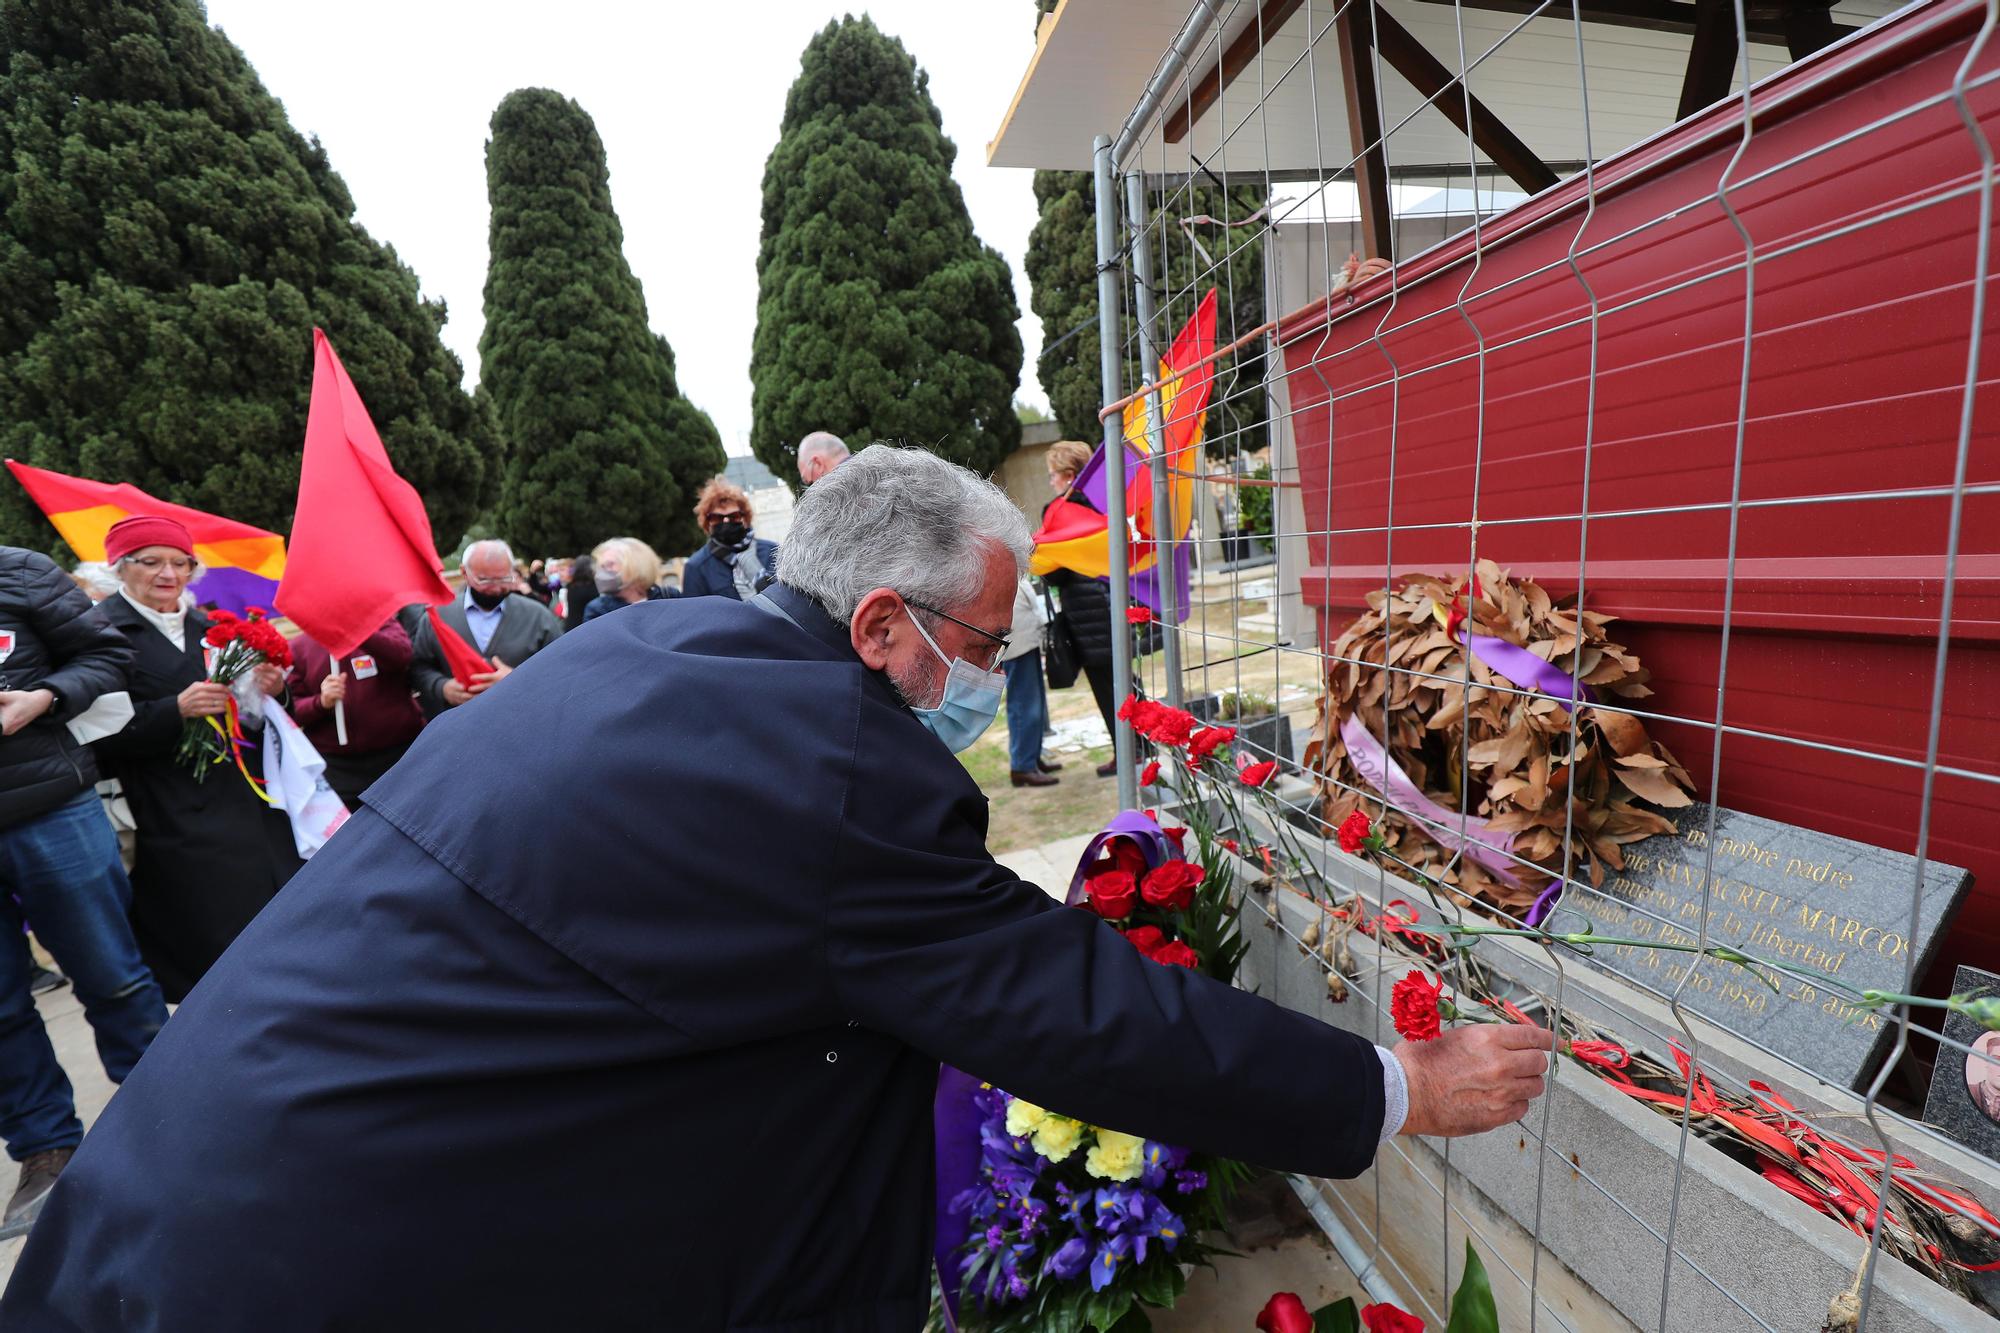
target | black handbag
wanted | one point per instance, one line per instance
(1060, 658)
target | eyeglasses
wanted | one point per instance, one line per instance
(497, 581)
(152, 564)
(993, 659)
(737, 517)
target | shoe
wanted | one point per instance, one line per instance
(1108, 769)
(1032, 780)
(41, 979)
(38, 1176)
(1047, 766)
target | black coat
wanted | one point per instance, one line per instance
(464, 1075)
(704, 574)
(210, 853)
(605, 603)
(56, 644)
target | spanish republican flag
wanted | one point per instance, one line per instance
(1076, 538)
(244, 563)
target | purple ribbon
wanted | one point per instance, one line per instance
(1486, 846)
(1523, 669)
(955, 1118)
(1140, 828)
(1544, 903)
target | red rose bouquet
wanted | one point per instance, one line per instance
(235, 646)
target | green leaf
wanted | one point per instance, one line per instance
(1339, 1317)
(1472, 1308)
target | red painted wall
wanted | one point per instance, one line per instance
(1858, 361)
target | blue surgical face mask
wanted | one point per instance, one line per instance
(971, 698)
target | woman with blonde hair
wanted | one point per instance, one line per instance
(625, 570)
(1086, 601)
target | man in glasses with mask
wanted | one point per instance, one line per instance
(502, 625)
(680, 1074)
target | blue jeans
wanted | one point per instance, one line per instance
(62, 870)
(1027, 711)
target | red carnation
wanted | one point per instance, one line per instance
(1354, 832)
(1112, 894)
(1149, 774)
(1414, 1006)
(1170, 887)
(1388, 1319)
(1146, 939)
(1256, 775)
(1205, 744)
(1229, 845)
(221, 633)
(221, 616)
(1176, 954)
(256, 613)
(1179, 836)
(1285, 1313)
(1171, 726)
(1137, 615)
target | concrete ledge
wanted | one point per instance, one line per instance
(1607, 1175)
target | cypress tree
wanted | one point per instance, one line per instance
(879, 313)
(1062, 277)
(602, 442)
(167, 243)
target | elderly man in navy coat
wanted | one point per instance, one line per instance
(461, 1075)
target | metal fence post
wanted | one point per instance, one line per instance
(1109, 324)
(1156, 429)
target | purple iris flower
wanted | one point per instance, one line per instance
(1104, 1268)
(1160, 1161)
(1033, 1213)
(1068, 1261)
(1190, 1182)
(1073, 1208)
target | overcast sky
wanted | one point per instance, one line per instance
(687, 97)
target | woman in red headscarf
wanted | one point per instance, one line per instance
(210, 852)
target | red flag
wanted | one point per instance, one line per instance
(458, 654)
(361, 546)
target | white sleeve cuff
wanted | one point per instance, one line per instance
(1395, 1094)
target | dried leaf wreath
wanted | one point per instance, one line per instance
(1506, 752)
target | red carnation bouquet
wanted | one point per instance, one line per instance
(236, 646)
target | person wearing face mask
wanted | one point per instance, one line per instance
(210, 852)
(734, 560)
(785, 918)
(626, 571)
(502, 625)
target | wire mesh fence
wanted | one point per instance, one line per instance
(1677, 371)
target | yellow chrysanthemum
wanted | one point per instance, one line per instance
(1024, 1118)
(1057, 1137)
(1115, 1156)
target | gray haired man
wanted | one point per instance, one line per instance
(678, 1073)
(820, 453)
(500, 623)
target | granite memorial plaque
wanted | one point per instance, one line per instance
(1784, 893)
(1964, 1100)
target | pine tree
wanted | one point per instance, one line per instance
(879, 313)
(167, 243)
(602, 443)
(1062, 276)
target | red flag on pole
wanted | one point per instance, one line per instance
(361, 546)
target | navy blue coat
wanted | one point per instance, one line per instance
(704, 575)
(463, 1075)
